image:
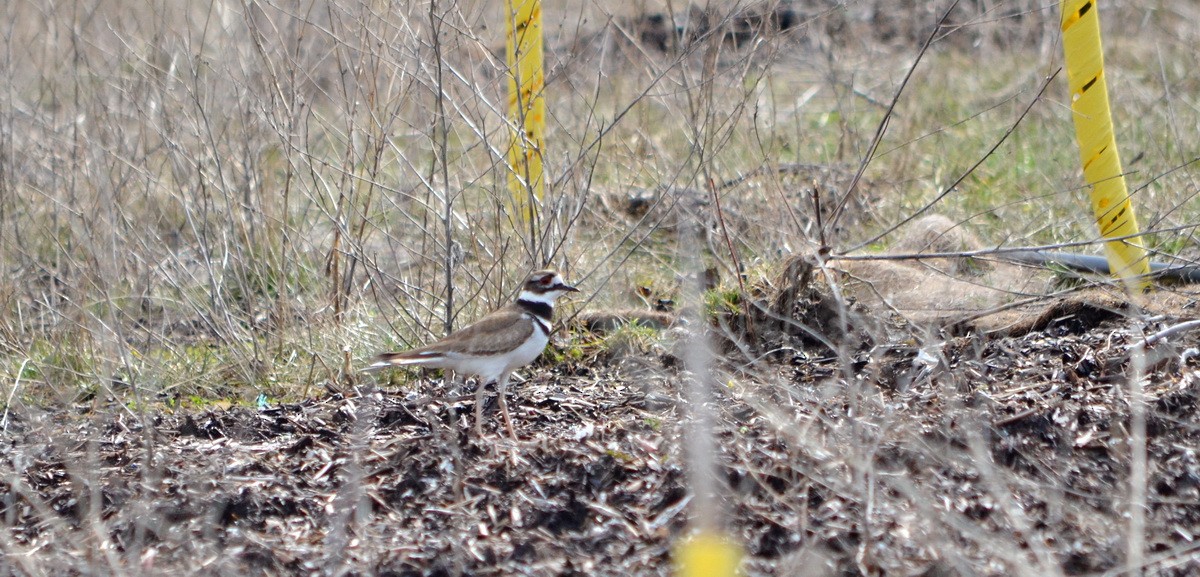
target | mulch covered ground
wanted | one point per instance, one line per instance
(965, 455)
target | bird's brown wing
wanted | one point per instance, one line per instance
(495, 333)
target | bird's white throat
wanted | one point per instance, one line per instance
(546, 298)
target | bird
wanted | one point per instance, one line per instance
(495, 345)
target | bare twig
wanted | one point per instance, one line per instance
(881, 129)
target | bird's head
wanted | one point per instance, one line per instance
(545, 286)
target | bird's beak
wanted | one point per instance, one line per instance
(568, 288)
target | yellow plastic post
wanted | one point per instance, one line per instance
(526, 107)
(707, 554)
(1111, 206)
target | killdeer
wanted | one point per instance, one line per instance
(496, 345)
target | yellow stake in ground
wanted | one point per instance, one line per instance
(1097, 147)
(707, 554)
(526, 108)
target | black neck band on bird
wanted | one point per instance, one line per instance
(538, 309)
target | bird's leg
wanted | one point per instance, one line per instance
(500, 386)
(480, 389)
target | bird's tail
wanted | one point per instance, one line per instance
(389, 360)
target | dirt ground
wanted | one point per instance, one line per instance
(957, 451)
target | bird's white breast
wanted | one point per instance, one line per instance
(530, 349)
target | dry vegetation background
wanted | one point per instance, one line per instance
(209, 209)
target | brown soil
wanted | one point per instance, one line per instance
(926, 454)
